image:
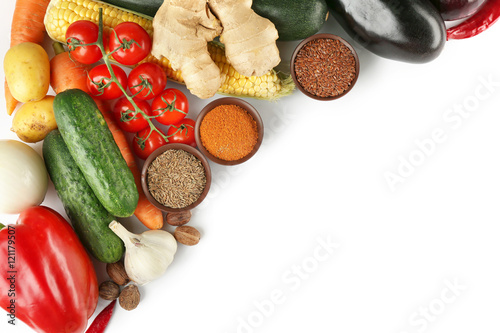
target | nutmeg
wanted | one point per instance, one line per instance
(130, 297)
(187, 235)
(109, 290)
(117, 273)
(178, 218)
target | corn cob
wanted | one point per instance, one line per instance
(61, 13)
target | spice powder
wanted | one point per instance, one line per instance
(176, 178)
(325, 67)
(229, 132)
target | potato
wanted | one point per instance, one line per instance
(27, 70)
(34, 120)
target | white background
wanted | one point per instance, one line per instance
(420, 258)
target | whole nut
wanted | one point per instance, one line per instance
(178, 218)
(109, 290)
(117, 273)
(187, 235)
(129, 297)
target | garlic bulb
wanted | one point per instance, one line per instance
(147, 255)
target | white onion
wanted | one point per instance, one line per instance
(23, 177)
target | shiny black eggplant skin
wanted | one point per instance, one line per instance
(452, 10)
(403, 30)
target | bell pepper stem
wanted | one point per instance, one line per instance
(1, 226)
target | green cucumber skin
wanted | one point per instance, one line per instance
(294, 19)
(88, 217)
(145, 7)
(94, 150)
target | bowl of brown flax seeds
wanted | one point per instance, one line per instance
(324, 67)
(176, 177)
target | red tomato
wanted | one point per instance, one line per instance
(147, 80)
(145, 143)
(127, 118)
(129, 42)
(98, 79)
(182, 132)
(83, 32)
(170, 107)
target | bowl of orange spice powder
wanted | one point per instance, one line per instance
(229, 131)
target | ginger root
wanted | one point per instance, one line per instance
(182, 29)
(250, 39)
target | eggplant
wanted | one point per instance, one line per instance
(452, 10)
(411, 31)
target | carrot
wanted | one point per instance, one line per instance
(10, 101)
(148, 214)
(27, 26)
(66, 73)
(27, 22)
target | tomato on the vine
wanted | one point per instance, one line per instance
(170, 107)
(147, 80)
(83, 32)
(147, 141)
(129, 43)
(127, 118)
(182, 132)
(99, 85)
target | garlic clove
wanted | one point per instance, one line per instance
(147, 255)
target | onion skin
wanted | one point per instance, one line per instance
(23, 177)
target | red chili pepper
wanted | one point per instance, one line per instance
(101, 321)
(48, 280)
(479, 22)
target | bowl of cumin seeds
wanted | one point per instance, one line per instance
(324, 67)
(176, 177)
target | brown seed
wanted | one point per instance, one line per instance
(179, 218)
(117, 273)
(130, 297)
(176, 178)
(325, 67)
(187, 235)
(109, 290)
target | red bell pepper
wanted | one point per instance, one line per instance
(47, 278)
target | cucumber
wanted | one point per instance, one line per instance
(294, 19)
(145, 7)
(94, 150)
(88, 217)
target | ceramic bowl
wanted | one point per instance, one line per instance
(161, 150)
(229, 101)
(323, 36)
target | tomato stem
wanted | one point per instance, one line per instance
(170, 107)
(113, 78)
(182, 127)
(144, 84)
